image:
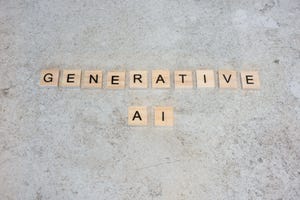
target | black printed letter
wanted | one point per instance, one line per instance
(226, 78)
(137, 77)
(49, 79)
(182, 77)
(113, 79)
(93, 78)
(69, 77)
(136, 115)
(249, 78)
(160, 78)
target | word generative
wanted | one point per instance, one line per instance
(202, 78)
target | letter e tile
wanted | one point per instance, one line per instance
(250, 80)
(71, 78)
(115, 80)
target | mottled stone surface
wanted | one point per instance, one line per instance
(60, 143)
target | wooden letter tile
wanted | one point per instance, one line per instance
(227, 79)
(115, 80)
(205, 78)
(49, 77)
(250, 80)
(137, 116)
(163, 116)
(161, 79)
(183, 79)
(138, 79)
(71, 78)
(92, 79)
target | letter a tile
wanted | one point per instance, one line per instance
(137, 116)
(161, 79)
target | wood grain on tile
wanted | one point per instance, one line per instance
(183, 79)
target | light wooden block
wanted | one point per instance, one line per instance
(161, 79)
(205, 78)
(92, 79)
(137, 116)
(183, 79)
(227, 79)
(250, 80)
(138, 79)
(115, 80)
(49, 77)
(71, 78)
(163, 116)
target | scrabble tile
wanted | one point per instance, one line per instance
(71, 78)
(163, 116)
(250, 80)
(161, 79)
(137, 116)
(49, 77)
(92, 79)
(138, 79)
(205, 78)
(227, 79)
(183, 79)
(115, 80)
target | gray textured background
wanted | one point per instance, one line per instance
(61, 143)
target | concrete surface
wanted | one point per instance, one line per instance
(75, 144)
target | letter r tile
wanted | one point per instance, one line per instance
(138, 79)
